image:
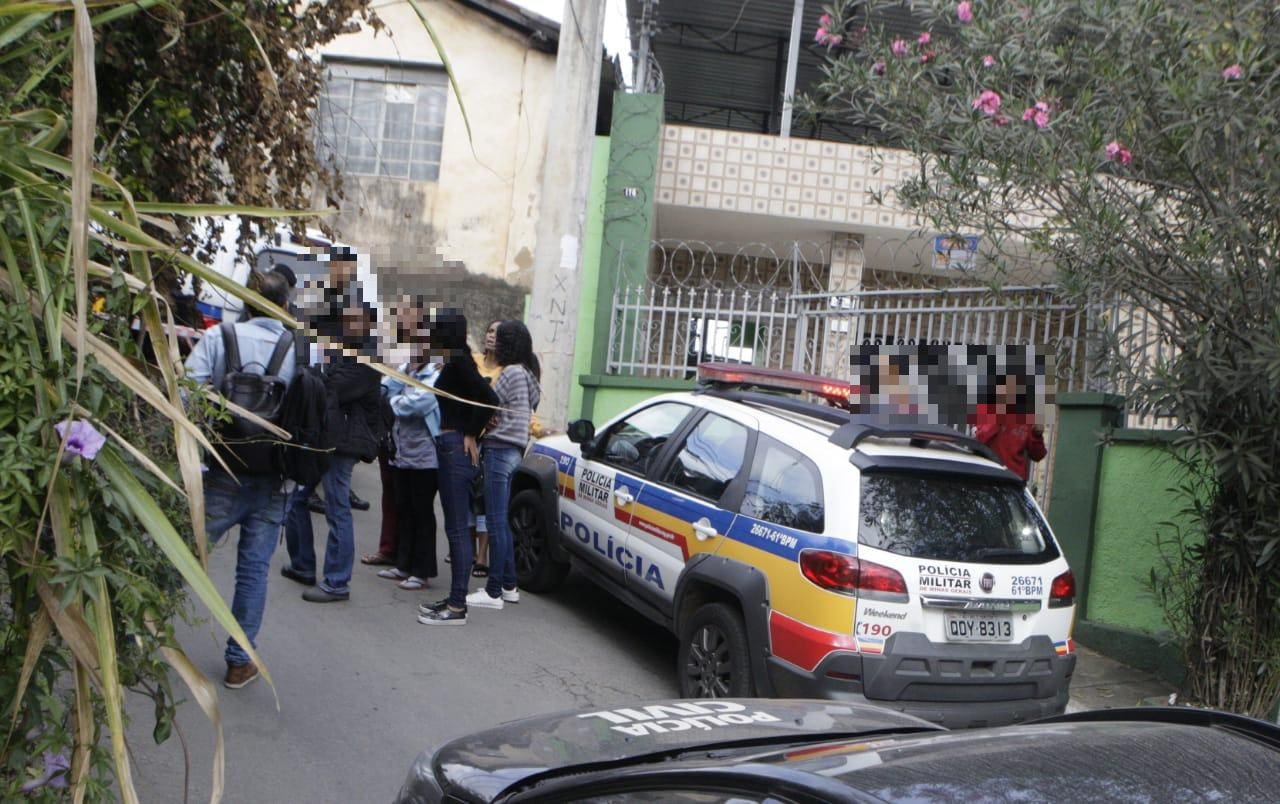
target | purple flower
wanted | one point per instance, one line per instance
(55, 768)
(81, 438)
(878, 68)
(1233, 73)
(964, 12)
(899, 48)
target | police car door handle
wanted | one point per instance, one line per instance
(623, 497)
(703, 529)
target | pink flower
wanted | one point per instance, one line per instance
(898, 48)
(82, 438)
(824, 37)
(987, 102)
(924, 39)
(1233, 73)
(878, 68)
(825, 21)
(964, 12)
(1116, 152)
(988, 60)
(1000, 120)
(1037, 113)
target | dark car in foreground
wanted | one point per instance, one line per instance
(754, 750)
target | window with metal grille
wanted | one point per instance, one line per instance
(383, 119)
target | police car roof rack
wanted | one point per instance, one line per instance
(857, 429)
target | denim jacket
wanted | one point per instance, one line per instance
(417, 419)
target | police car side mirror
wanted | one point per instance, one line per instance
(581, 431)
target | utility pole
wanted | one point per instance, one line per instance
(640, 76)
(562, 205)
(793, 56)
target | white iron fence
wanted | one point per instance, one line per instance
(765, 306)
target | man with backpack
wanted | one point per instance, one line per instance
(252, 363)
(354, 430)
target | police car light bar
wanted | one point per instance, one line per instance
(735, 375)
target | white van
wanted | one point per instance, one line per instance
(307, 257)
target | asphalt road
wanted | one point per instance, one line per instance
(363, 687)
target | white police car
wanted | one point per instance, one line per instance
(799, 550)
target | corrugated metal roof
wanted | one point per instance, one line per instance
(724, 61)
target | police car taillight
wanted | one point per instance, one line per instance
(834, 391)
(846, 574)
(1062, 592)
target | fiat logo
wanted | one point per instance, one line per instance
(987, 582)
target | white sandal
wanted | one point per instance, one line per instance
(393, 574)
(412, 583)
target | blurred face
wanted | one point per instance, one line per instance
(354, 323)
(412, 334)
(342, 270)
(491, 337)
(1009, 391)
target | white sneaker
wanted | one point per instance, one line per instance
(393, 574)
(511, 595)
(481, 600)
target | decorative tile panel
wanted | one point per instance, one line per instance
(792, 178)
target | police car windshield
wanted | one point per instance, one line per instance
(952, 519)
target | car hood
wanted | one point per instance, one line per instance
(481, 766)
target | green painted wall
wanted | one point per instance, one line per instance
(1083, 421)
(612, 395)
(635, 137)
(588, 287)
(1134, 498)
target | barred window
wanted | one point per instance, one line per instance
(383, 119)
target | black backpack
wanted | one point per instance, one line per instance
(247, 447)
(305, 458)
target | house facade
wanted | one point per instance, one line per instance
(442, 194)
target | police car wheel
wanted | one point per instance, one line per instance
(713, 658)
(536, 569)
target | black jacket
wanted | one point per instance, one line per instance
(462, 379)
(354, 415)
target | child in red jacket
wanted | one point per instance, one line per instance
(1007, 425)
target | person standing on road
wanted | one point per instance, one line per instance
(1007, 425)
(404, 318)
(489, 368)
(466, 403)
(254, 502)
(502, 447)
(353, 393)
(414, 465)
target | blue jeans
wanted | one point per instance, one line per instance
(456, 472)
(499, 463)
(340, 550)
(256, 504)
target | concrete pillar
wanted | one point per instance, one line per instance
(845, 274)
(1083, 418)
(562, 208)
(635, 139)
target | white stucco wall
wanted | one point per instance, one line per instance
(482, 210)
